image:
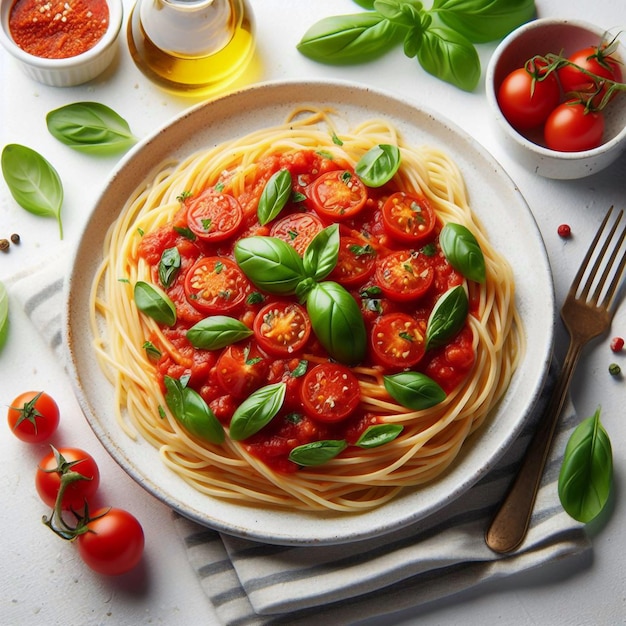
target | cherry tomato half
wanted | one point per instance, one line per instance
(355, 262)
(594, 60)
(526, 103)
(398, 340)
(330, 392)
(241, 369)
(214, 216)
(113, 543)
(33, 416)
(216, 285)
(571, 129)
(338, 195)
(408, 218)
(282, 328)
(297, 230)
(404, 275)
(53, 466)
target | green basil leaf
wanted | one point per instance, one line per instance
(337, 322)
(587, 470)
(463, 251)
(90, 127)
(192, 412)
(4, 313)
(154, 354)
(378, 165)
(155, 303)
(270, 263)
(414, 390)
(257, 410)
(274, 196)
(447, 317)
(365, 4)
(217, 332)
(33, 182)
(379, 435)
(450, 57)
(352, 38)
(403, 12)
(318, 452)
(169, 266)
(484, 20)
(322, 253)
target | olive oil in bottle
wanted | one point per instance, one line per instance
(195, 47)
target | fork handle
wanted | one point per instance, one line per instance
(510, 524)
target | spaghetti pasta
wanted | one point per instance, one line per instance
(358, 478)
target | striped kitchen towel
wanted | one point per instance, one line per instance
(251, 583)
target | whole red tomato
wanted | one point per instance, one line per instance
(56, 466)
(33, 416)
(113, 542)
(571, 128)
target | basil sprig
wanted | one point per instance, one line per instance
(587, 470)
(169, 266)
(414, 390)
(462, 251)
(34, 184)
(155, 303)
(257, 410)
(191, 411)
(378, 435)
(378, 165)
(447, 317)
(90, 127)
(441, 37)
(274, 196)
(217, 331)
(318, 452)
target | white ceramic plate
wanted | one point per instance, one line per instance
(494, 198)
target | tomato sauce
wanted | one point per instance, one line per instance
(58, 29)
(226, 376)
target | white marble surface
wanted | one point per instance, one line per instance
(42, 581)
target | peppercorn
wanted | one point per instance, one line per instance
(15, 238)
(564, 231)
(615, 369)
(617, 344)
(4, 245)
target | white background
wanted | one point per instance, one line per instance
(42, 580)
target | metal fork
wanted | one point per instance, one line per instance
(587, 313)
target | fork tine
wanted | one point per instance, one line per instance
(610, 294)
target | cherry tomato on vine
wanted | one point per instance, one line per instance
(570, 128)
(297, 230)
(525, 101)
(282, 328)
(404, 275)
(62, 462)
(241, 369)
(33, 416)
(330, 392)
(113, 542)
(214, 216)
(594, 59)
(408, 218)
(216, 285)
(337, 195)
(398, 340)
(355, 262)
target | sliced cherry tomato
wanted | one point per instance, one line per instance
(338, 195)
(213, 215)
(330, 392)
(282, 328)
(595, 60)
(526, 102)
(33, 416)
(241, 369)
(408, 218)
(216, 285)
(355, 262)
(398, 340)
(570, 128)
(404, 275)
(63, 461)
(113, 542)
(297, 230)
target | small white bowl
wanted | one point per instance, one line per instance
(544, 36)
(71, 70)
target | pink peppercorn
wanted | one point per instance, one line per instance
(564, 231)
(617, 344)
